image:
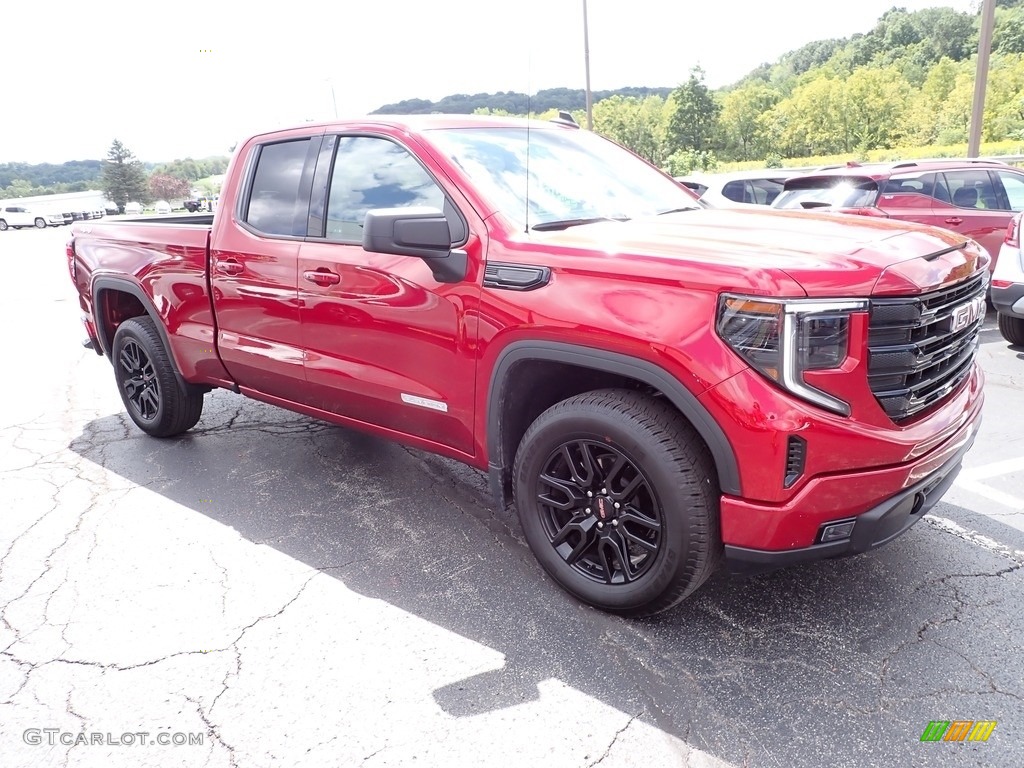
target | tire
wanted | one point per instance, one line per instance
(3, 225)
(631, 450)
(147, 383)
(40, 223)
(1012, 328)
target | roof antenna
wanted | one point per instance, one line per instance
(529, 119)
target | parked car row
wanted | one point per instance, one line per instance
(19, 216)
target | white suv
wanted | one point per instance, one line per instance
(18, 216)
(739, 188)
(1008, 285)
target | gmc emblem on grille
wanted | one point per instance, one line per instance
(967, 314)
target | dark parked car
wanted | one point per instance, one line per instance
(192, 206)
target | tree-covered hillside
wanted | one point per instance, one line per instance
(907, 82)
(513, 103)
(26, 180)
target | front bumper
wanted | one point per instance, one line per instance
(879, 524)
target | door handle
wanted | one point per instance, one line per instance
(954, 220)
(230, 267)
(321, 276)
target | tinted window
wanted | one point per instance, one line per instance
(971, 189)
(915, 185)
(765, 190)
(1013, 185)
(374, 173)
(275, 205)
(735, 191)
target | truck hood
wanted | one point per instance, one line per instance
(826, 254)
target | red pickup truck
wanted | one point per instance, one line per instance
(656, 385)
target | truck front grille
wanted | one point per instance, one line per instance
(921, 348)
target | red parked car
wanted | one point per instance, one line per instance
(659, 386)
(976, 198)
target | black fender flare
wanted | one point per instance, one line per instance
(108, 283)
(612, 362)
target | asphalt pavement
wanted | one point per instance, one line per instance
(269, 590)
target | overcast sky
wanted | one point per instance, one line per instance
(191, 77)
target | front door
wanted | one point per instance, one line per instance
(385, 343)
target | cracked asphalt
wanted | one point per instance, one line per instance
(281, 592)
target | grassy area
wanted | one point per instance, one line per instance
(989, 149)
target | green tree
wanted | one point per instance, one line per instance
(637, 124)
(694, 124)
(124, 179)
(1008, 35)
(812, 121)
(875, 107)
(742, 120)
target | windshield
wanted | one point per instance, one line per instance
(828, 191)
(574, 176)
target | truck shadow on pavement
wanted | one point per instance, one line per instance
(846, 658)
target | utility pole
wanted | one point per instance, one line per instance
(988, 15)
(586, 62)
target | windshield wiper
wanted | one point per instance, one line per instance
(566, 223)
(680, 210)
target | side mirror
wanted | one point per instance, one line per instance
(414, 231)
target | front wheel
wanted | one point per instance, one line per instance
(1012, 328)
(40, 223)
(146, 381)
(3, 225)
(618, 500)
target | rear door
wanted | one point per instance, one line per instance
(254, 269)
(386, 344)
(968, 202)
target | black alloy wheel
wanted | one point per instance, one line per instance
(599, 512)
(618, 499)
(139, 381)
(156, 398)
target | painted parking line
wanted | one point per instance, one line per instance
(946, 525)
(971, 480)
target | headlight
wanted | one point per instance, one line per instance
(783, 339)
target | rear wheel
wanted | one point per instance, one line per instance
(157, 404)
(1012, 328)
(40, 223)
(618, 500)
(3, 225)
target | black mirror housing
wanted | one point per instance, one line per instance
(416, 231)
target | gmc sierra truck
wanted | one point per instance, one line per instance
(657, 386)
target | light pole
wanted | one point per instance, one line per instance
(988, 13)
(586, 62)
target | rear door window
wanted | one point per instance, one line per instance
(1013, 188)
(972, 189)
(278, 202)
